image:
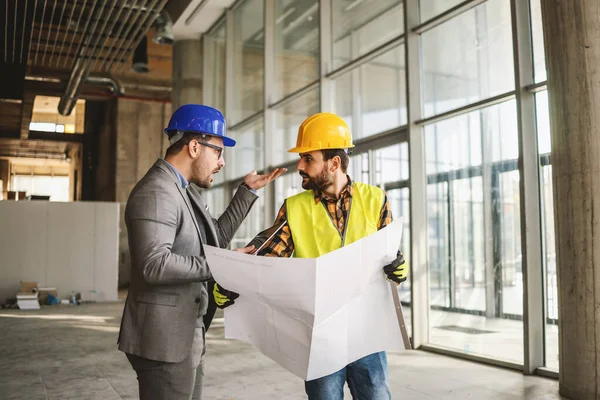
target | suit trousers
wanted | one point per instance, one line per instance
(160, 380)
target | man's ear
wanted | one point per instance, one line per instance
(194, 149)
(336, 163)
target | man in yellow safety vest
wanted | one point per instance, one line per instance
(332, 212)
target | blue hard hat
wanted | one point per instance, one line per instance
(201, 119)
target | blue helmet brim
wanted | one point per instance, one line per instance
(227, 141)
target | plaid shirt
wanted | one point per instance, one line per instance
(282, 245)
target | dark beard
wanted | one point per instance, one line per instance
(318, 183)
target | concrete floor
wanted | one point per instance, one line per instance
(66, 352)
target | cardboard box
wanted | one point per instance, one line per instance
(28, 287)
(43, 292)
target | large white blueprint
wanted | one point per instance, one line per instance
(313, 316)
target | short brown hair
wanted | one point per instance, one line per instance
(176, 147)
(341, 153)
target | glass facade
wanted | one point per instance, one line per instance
(468, 58)
(463, 87)
(296, 45)
(372, 98)
(249, 57)
(359, 26)
(288, 119)
(474, 232)
(214, 54)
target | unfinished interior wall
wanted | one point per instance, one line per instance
(140, 141)
(70, 246)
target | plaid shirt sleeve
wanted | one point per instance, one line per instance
(385, 216)
(281, 245)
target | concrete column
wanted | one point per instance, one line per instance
(572, 32)
(187, 72)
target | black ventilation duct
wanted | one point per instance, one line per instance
(140, 57)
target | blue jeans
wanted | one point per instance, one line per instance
(367, 379)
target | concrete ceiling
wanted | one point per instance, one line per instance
(41, 42)
(191, 18)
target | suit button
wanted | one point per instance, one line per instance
(198, 300)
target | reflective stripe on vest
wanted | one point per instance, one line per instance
(313, 231)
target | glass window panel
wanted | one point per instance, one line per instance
(215, 200)
(248, 61)
(474, 216)
(543, 122)
(537, 31)
(467, 282)
(374, 94)
(548, 240)
(359, 26)
(344, 102)
(431, 8)
(286, 186)
(391, 173)
(438, 240)
(296, 45)
(391, 164)
(453, 144)
(510, 250)
(248, 153)
(288, 119)
(358, 169)
(252, 225)
(468, 58)
(214, 53)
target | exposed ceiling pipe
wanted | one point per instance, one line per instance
(92, 51)
(116, 86)
(81, 69)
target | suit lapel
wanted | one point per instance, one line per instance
(201, 206)
(191, 195)
(186, 198)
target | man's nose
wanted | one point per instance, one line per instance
(221, 162)
(299, 166)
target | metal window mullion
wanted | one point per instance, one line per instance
(418, 183)
(269, 125)
(229, 79)
(326, 94)
(207, 71)
(529, 189)
(357, 90)
(372, 168)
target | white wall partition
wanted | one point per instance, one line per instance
(69, 246)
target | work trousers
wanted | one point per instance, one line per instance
(159, 380)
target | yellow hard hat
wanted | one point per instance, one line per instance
(322, 131)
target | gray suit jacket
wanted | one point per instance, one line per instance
(167, 292)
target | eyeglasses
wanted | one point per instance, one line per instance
(212, 146)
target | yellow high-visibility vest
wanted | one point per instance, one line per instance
(313, 230)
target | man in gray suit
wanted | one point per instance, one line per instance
(162, 330)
